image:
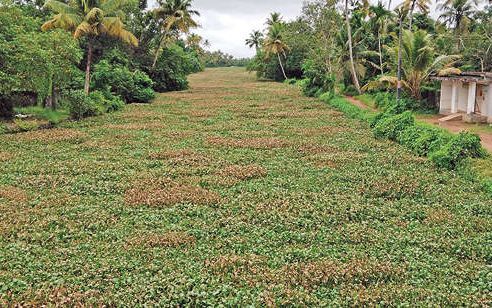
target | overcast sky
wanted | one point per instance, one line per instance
(227, 23)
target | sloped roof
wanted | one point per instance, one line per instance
(479, 77)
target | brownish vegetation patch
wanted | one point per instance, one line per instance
(312, 148)
(137, 126)
(438, 216)
(4, 156)
(253, 143)
(169, 239)
(243, 172)
(165, 192)
(57, 297)
(12, 193)
(46, 135)
(181, 157)
(390, 188)
(331, 272)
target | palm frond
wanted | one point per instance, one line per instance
(59, 7)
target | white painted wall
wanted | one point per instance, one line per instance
(462, 97)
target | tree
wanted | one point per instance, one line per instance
(90, 19)
(274, 44)
(411, 5)
(457, 13)
(355, 79)
(275, 18)
(419, 61)
(173, 15)
(379, 19)
(255, 40)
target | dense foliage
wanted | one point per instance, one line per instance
(46, 47)
(352, 46)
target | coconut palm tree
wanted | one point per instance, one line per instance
(274, 44)
(275, 18)
(90, 19)
(173, 15)
(419, 61)
(255, 40)
(379, 20)
(353, 72)
(411, 5)
(456, 13)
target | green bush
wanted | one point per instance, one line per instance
(171, 70)
(142, 91)
(81, 105)
(316, 81)
(291, 81)
(391, 126)
(133, 87)
(106, 101)
(458, 149)
(423, 140)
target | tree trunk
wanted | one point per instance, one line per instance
(380, 53)
(411, 15)
(281, 65)
(389, 5)
(398, 86)
(157, 52)
(351, 53)
(88, 67)
(48, 102)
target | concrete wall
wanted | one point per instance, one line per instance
(462, 97)
(446, 93)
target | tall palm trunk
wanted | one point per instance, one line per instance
(281, 65)
(88, 67)
(410, 15)
(158, 50)
(355, 79)
(380, 53)
(398, 86)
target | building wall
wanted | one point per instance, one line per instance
(445, 101)
(462, 96)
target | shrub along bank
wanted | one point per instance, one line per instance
(396, 123)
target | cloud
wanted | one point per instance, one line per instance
(226, 24)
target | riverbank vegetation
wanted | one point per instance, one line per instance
(347, 47)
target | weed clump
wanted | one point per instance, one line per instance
(169, 239)
(252, 143)
(12, 193)
(166, 192)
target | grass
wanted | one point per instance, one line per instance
(52, 116)
(235, 192)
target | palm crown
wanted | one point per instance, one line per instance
(90, 18)
(255, 39)
(177, 14)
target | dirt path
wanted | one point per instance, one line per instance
(358, 103)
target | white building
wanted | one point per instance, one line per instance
(468, 95)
